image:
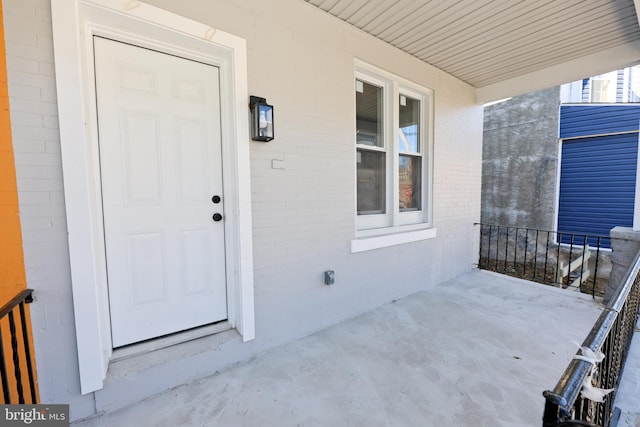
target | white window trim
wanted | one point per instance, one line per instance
(394, 221)
(75, 22)
(377, 242)
(379, 220)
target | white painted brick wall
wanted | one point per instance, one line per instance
(36, 142)
(301, 60)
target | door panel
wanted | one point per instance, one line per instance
(160, 160)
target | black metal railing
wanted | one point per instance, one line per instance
(16, 362)
(611, 335)
(567, 260)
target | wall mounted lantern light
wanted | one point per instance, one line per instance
(261, 119)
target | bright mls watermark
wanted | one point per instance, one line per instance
(34, 415)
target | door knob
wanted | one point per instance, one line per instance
(217, 217)
(216, 199)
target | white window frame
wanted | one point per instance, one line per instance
(376, 228)
(75, 22)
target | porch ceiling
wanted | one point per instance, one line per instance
(503, 47)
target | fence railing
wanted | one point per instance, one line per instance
(611, 337)
(567, 260)
(16, 365)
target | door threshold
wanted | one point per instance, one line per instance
(168, 340)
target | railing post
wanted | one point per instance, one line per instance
(550, 416)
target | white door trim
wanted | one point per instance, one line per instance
(75, 22)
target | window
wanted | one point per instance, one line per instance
(393, 153)
(600, 90)
(603, 87)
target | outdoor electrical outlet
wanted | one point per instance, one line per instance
(329, 277)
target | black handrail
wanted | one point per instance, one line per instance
(535, 255)
(9, 311)
(611, 335)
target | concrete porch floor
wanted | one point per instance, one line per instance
(475, 351)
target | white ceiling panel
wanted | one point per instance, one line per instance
(493, 43)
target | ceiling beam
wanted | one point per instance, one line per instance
(576, 69)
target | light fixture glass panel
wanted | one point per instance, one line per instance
(265, 121)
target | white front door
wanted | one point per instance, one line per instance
(161, 168)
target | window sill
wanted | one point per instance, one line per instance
(383, 241)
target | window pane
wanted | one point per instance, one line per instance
(410, 180)
(601, 91)
(368, 114)
(409, 135)
(371, 182)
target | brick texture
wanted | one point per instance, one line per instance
(303, 205)
(36, 144)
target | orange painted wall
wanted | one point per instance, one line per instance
(12, 273)
(12, 270)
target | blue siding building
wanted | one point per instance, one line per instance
(598, 167)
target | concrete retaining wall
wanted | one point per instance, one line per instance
(520, 160)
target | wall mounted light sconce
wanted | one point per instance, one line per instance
(261, 119)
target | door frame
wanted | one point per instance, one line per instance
(75, 22)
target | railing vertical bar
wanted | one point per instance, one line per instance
(559, 236)
(584, 253)
(489, 247)
(569, 261)
(497, 247)
(544, 262)
(3, 373)
(27, 352)
(515, 251)
(595, 270)
(535, 257)
(16, 357)
(481, 239)
(526, 249)
(546, 259)
(506, 247)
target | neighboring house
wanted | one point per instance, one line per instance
(613, 87)
(128, 118)
(565, 158)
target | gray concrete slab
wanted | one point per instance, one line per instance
(475, 351)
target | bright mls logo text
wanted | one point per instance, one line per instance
(43, 415)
